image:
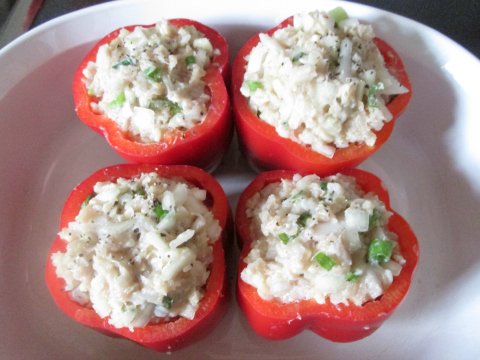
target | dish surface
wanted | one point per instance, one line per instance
(431, 166)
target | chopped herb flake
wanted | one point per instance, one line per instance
(159, 104)
(254, 85)
(298, 56)
(351, 276)
(379, 251)
(325, 261)
(87, 200)
(119, 100)
(167, 302)
(125, 62)
(372, 94)
(302, 219)
(160, 212)
(154, 73)
(324, 185)
(284, 238)
(373, 219)
(189, 60)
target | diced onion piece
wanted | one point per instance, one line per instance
(185, 256)
(143, 120)
(357, 219)
(203, 43)
(353, 239)
(386, 113)
(345, 57)
(108, 193)
(154, 239)
(182, 238)
(168, 200)
(391, 85)
(324, 149)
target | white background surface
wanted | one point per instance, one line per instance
(431, 165)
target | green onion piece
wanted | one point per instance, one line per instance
(325, 261)
(167, 302)
(254, 85)
(297, 196)
(333, 63)
(159, 104)
(373, 219)
(140, 191)
(338, 14)
(324, 185)
(173, 107)
(351, 276)
(302, 219)
(124, 307)
(90, 92)
(379, 251)
(298, 56)
(284, 238)
(372, 94)
(189, 60)
(125, 62)
(87, 200)
(156, 104)
(154, 73)
(119, 100)
(159, 211)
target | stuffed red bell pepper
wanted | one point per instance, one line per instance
(157, 93)
(140, 254)
(325, 254)
(318, 93)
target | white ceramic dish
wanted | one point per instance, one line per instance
(431, 166)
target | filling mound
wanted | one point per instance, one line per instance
(150, 80)
(321, 82)
(320, 238)
(139, 250)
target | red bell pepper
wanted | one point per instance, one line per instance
(203, 145)
(267, 150)
(340, 323)
(180, 331)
